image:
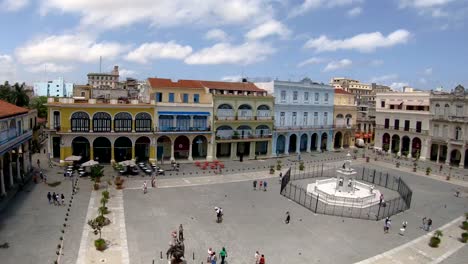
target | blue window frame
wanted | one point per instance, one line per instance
(171, 97)
(196, 98)
(185, 98)
(158, 97)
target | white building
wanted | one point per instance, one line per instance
(449, 128)
(403, 123)
(55, 88)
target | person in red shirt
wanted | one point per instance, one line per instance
(262, 260)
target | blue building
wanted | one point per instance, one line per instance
(303, 116)
(55, 88)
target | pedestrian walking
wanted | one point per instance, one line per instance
(264, 186)
(145, 187)
(41, 175)
(387, 224)
(210, 253)
(381, 199)
(288, 218)
(153, 182)
(403, 228)
(57, 199)
(441, 167)
(280, 177)
(213, 258)
(181, 233)
(54, 198)
(262, 259)
(38, 163)
(429, 224)
(260, 185)
(255, 185)
(424, 222)
(63, 198)
(257, 257)
(49, 197)
(223, 254)
(45, 179)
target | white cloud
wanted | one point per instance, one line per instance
(423, 3)
(158, 50)
(7, 69)
(14, 5)
(313, 60)
(376, 62)
(67, 48)
(384, 78)
(308, 5)
(336, 65)
(50, 68)
(428, 71)
(216, 34)
(225, 53)
(231, 78)
(365, 42)
(398, 86)
(161, 13)
(423, 80)
(126, 73)
(354, 12)
(271, 27)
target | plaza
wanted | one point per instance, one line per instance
(253, 220)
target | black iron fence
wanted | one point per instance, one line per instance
(321, 204)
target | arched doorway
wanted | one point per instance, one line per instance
(395, 144)
(199, 147)
(416, 147)
(386, 142)
(181, 147)
(434, 152)
(303, 145)
(466, 159)
(102, 150)
(337, 143)
(280, 144)
(455, 157)
(324, 141)
(122, 149)
(163, 148)
(81, 147)
(313, 141)
(292, 143)
(347, 140)
(443, 153)
(405, 146)
(142, 149)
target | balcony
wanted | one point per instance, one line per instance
(344, 126)
(243, 135)
(299, 128)
(243, 118)
(461, 119)
(404, 129)
(8, 139)
(183, 129)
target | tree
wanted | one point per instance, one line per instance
(14, 94)
(38, 103)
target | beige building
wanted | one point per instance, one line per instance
(449, 128)
(344, 120)
(104, 80)
(403, 123)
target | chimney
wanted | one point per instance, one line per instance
(116, 70)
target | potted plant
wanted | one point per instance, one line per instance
(100, 244)
(428, 171)
(435, 240)
(367, 159)
(405, 154)
(235, 135)
(465, 223)
(397, 164)
(118, 182)
(415, 166)
(301, 165)
(272, 169)
(278, 165)
(464, 237)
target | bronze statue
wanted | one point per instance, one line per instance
(176, 251)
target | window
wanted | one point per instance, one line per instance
(166, 122)
(101, 122)
(387, 123)
(295, 96)
(199, 122)
(282, 118)
(185, 98)
(407, 125)
(306, 96)
(283, 96)
(294, 118)
(158, 97)
(143, 122)
(315, 118)
(447, 110)
(445, 131)
(171, 97)
(459, 111)
(325, 119)
(196, 98)
(435, 130)
(458, 133)
(418, 126)
(326, 97)
(317, 97)
(83, 94)
(123, 122)
(80, 122)
(382, 104)
(437, 109)
(304, 120)
(56, 119)
(396, 124)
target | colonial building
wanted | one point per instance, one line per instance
(243, 119)
(104, 80)
(304, 116)
(403, 123)
(344, 119)
(16, 131)
(449, 128)
(183, 119)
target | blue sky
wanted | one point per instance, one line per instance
(421, 43)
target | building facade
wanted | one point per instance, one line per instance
(344, 119)
(16, 132)
(55, 88)
(104, 80)
(403, 123)
(449, 127)
(304, 116)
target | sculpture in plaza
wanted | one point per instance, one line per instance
(176, 250)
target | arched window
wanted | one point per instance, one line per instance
(101, 122)
(437, 109)
(263, 111)
(458, 133)
(447, 110)
(80, 122)
(349, 119)
(123, 122)
(143, 122)
(56, 119)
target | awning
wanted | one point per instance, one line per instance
(73, 158)
(183, 113)
(127, 163)
(90, 163)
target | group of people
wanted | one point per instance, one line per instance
(426, 223)
(145, 185)
(212, 258)
(261, 184)
(56, 198)
(259, 259)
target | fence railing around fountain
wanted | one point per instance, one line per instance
(351, 207)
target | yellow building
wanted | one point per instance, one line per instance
(344, 120)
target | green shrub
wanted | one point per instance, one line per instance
(301, 166)
(464, 237)
(54, 184)
(100, 244)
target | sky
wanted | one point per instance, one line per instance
(420, 43)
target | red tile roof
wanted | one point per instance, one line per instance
(237, 86)
(341, 91)
(7, 109)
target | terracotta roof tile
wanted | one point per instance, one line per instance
(341, 91)
(7, 109)
(237, 86)
(168, 83)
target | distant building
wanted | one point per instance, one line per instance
(55, 88)
(104, 80)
